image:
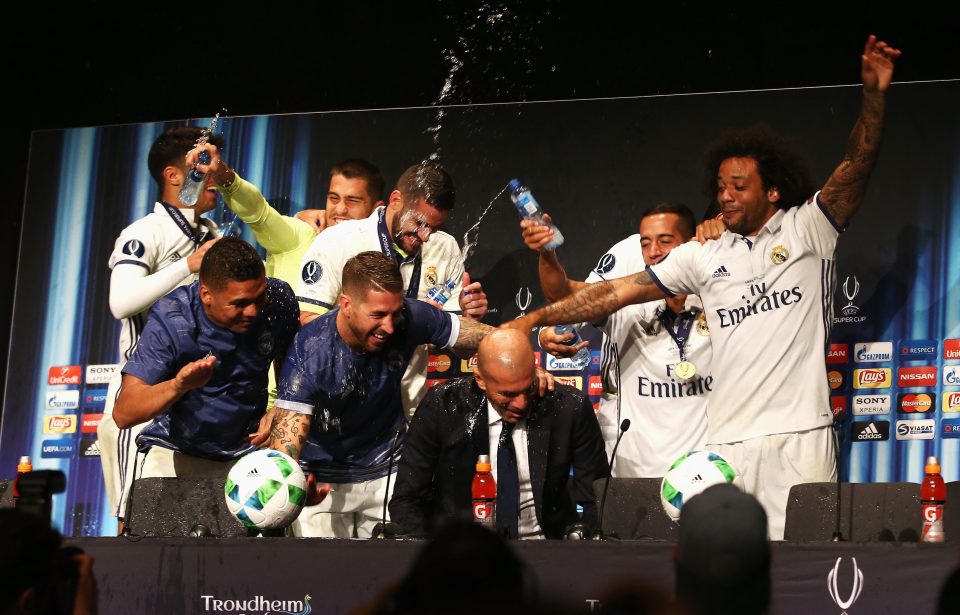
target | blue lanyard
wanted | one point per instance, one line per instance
(192, 234)
(684, 322)
(386, 246)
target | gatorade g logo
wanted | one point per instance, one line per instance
(482, 510)
(606, 263)
(932, 512)
(133, 248)
(311, 273)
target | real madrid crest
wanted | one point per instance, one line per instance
(430, 276)
(265, 344)
(702, 327)
(779, 255)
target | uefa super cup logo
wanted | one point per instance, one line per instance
(523, 299)
(846, 603)
(850, 291)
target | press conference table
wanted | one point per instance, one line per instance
(185, 576)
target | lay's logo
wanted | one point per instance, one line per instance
(872, 378)
(60, 424)
(468, 365)
(951, 401)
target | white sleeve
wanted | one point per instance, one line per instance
(816, 227)
(455, 273)
(676, 273)
(320, 274)
(133, 288)
(620, 260)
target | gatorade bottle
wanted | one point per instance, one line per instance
(484, 493)
(23, 466)
(933, 495)
(529, 209)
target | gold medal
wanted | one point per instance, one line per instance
(685, 370)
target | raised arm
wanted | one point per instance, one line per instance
(844, 191)
(140, 402)
(553, 277)
(593, 303)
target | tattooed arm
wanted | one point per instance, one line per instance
(289, 432)
(593, 303)
(844, 191)
(471, 332)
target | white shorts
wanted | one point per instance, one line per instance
(767, 466)
(118, 452)
(159, 462)
(350, 510)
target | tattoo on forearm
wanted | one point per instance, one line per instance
(289, 432)
(844, 191)
(591, 304)
(471, 332)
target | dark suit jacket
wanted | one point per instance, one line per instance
(449, 431)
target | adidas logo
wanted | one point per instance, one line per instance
(870, 432)
(93, 451)
(721, 272)
(696, 478)
(253, 473)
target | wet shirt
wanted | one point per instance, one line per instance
(354, 396)
(211, 421)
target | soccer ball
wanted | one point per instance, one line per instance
(265, 490)
(690, 475)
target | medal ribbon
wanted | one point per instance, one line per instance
(684, 322)
(386, 246)
(193, 234)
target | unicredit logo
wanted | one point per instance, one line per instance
(951, 349)
(64, 374)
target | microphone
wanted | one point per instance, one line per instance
(385, 529)
(598, 533)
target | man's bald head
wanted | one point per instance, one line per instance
(505, 372)
(505, 349)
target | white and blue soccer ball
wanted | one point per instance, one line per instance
(265, 490)
(690, 475)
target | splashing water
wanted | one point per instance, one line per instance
(468, 243)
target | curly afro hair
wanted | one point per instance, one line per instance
(779, 163)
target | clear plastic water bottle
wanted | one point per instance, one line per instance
(582, 358)
(530, 210)
(442, 292)
(193, 183)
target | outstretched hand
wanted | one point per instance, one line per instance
(877, 64)
(195, 374)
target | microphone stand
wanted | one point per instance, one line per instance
(598, 533)
(384, 529)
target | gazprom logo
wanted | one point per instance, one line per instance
(62, 400)
(873, 352)
(951, 375)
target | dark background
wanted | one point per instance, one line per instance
(96, 63)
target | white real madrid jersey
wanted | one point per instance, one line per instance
(668, 415)
(768, 301)
(153, 243)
